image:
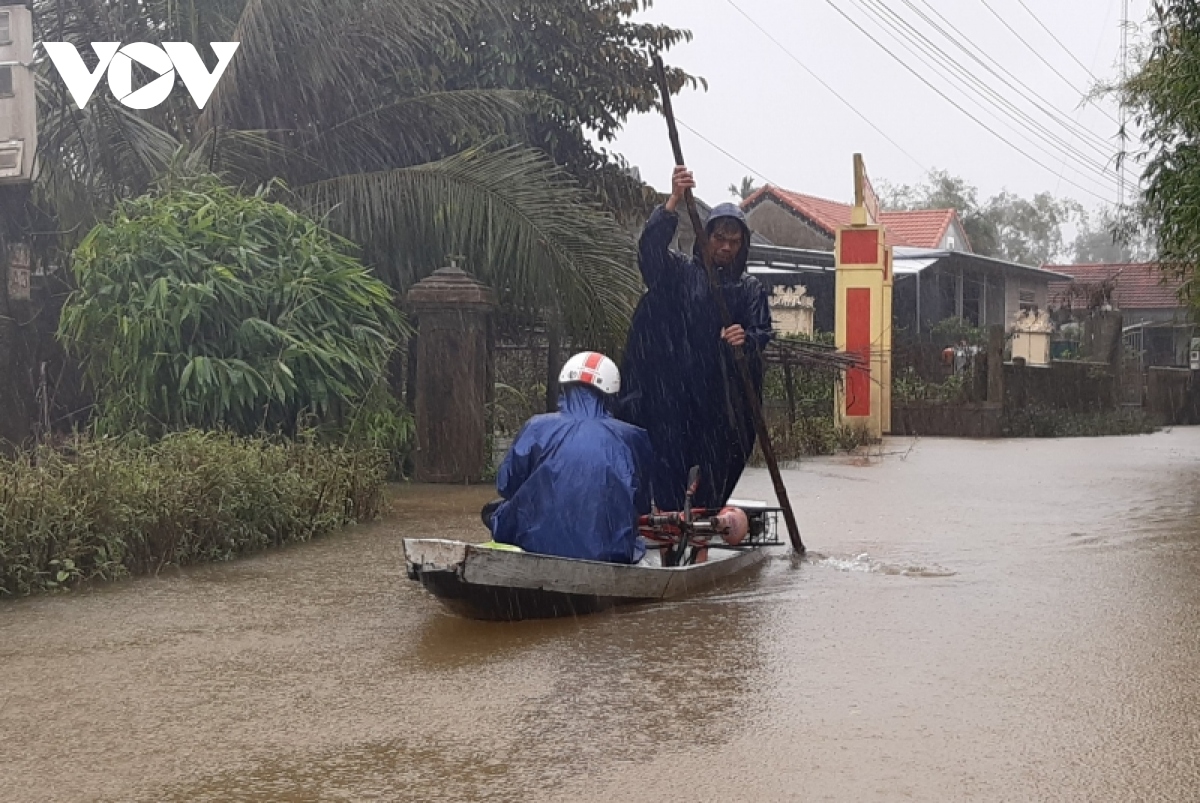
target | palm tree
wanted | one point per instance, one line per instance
(745, 190)
(328, 96)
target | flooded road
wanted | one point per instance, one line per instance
(992, 621)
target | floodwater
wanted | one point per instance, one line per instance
(992, 621)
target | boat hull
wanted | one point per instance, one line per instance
(482, 583)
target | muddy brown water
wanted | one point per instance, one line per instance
(993, 621)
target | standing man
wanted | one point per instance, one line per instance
(681, 382)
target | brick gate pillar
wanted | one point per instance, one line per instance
(453, 313)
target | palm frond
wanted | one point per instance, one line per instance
(415, 129)
(523, 225)
(298, 58)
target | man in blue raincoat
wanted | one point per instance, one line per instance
(681, 383)
(575, 482)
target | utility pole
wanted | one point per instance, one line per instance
(1124, 79)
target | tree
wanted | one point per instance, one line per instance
(197, 307)
(1005, 226)
(587, 64)
(1099, 240)
(944, 191)
(409, 169)
(1162, 94)
(1030, 231)
(746, 189)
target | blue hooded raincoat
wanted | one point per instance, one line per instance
(574, 483)
(679, 379)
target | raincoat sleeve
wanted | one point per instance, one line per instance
(643, 463)
(759, 331)
(518, 463)
(659, 265)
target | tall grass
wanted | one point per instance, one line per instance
(100, 509)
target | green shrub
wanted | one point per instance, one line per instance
(383, 423)
(1046, 422)
(108, 508)
(200, 307)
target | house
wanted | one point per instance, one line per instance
(804, 221)
(1157, 324)
(937, 276)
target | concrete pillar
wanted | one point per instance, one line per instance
(995, 365)
(453, 313)
(863, 323)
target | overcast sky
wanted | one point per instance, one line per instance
(771, 114)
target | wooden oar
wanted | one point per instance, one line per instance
(760, 424)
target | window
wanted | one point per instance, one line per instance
(5, 28)
(6, 82)
(947, 287)
(10, 160)
(973, 297)
(1026, 298)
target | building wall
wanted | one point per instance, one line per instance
(18, 111)
(1015, 286)
(944, 293)
(782, 227)
(955, 239)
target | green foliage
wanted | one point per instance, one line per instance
(203, 308)
(393, 129)
(1050, 422)
(588, 67)
(382, 424)
(957, 329)
(1162, 94)
(513, 406)
(743, 190)
(108, 508)
(539, 249)
(812, 431)
(908, 387)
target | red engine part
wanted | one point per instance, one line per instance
(730, 524)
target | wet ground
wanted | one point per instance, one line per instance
(993, 621)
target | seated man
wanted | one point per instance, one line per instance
(574, 482)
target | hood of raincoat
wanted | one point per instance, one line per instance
(734, 211)
(581, 401)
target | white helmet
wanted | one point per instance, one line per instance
(592, 368)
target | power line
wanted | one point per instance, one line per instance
(1078, 109)
(833, 91)
(901, 27)
(1072, 125)
(1056, 39)
(951, 101)
(727, 153)
(1124, 79)
(1042, 58)
(922, 52)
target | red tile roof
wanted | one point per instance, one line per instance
(920, 229)
(923, 228)
(1138, 286)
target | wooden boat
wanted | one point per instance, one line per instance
(482, 582)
